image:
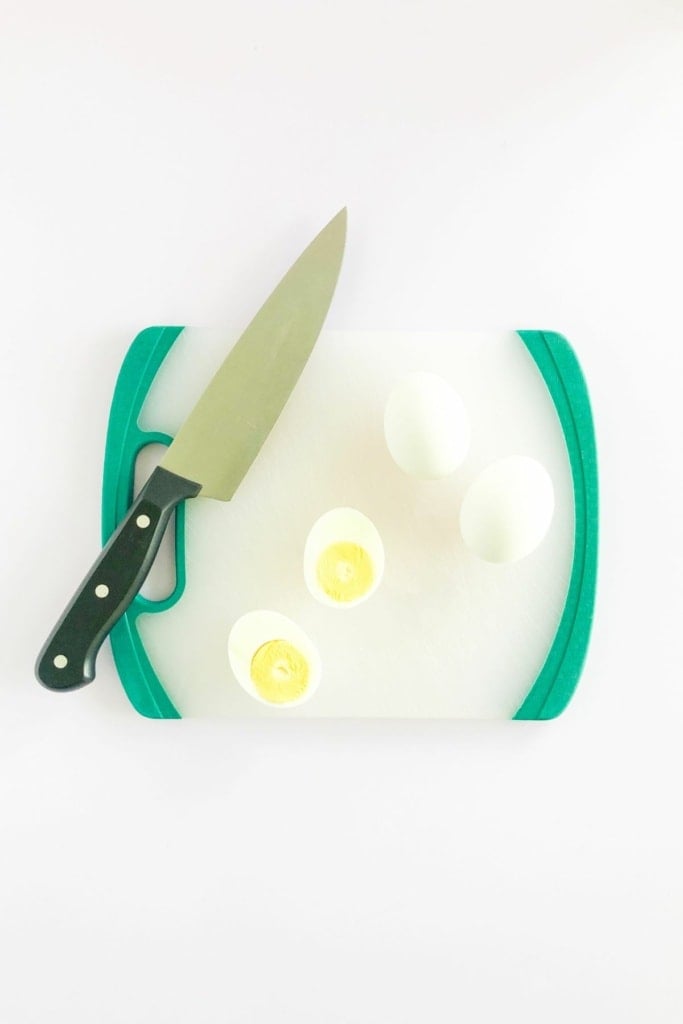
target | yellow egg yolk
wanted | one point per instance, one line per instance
(345, 571)
(279, 671)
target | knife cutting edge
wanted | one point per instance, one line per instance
(209, 456)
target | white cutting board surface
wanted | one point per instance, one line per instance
(446, 634)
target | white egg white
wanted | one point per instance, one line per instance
(426, 426)
(508, 509)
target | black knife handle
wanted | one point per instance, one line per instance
(67, 660)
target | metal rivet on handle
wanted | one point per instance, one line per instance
(143, 521)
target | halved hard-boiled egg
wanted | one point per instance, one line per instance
(343, 558)
(273, 659)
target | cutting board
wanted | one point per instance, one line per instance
(446, 635)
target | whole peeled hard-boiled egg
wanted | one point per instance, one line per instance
(343, 558)
(508, 509)
(426, 426)
(273, 659)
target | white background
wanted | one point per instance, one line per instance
(505, 165)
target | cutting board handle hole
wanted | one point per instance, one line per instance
(162, 578)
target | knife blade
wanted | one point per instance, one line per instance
(209, 456)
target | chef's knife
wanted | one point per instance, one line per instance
(211, 453)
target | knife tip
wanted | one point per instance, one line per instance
(334, 231)
(340, 220)
(340, 215)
